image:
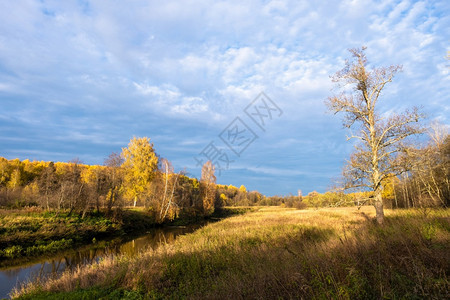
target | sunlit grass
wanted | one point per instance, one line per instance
(287, 253)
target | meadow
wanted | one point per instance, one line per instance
(277, 252)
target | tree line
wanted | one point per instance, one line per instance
(136, 176)
(139, 177)
(426, 180)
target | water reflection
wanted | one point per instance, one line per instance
(11, 276)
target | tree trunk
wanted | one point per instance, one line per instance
(395, 194)
(135, 200)
(379, 209)
(406, 195)
(110, 201)
(98, 204)
(84, 212)
(47, 197)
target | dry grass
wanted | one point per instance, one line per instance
(274, 252)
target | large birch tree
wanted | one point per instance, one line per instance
(380, 134)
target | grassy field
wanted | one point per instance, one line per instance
(279, 253)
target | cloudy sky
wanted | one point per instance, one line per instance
(80, 78)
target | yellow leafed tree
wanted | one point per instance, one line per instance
(140, 164)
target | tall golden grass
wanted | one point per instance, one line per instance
(282, 253)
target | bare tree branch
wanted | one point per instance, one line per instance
(374, 158)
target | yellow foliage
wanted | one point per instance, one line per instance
(90, 174)
(15, 180)
(232, 187)
(388, 187)
(223, 197)
(30, 191)
(140, 163)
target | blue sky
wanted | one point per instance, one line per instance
(81, 78)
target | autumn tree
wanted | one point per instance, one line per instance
(72, 187)
(115, 176)
(96, 181)
(4, 178)
(188, 195)
(208, 187)
(140, 164)
(313, 199)
(4, 171)
(48, 183)
(61, 183)
(388, 191)
(15, 181)
(232, 193)
(254, 197)
(241, 196)
(380, 135)
(167, 206)
(428, 181)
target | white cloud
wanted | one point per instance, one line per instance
(201, 62)
(190, 105)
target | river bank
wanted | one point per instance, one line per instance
(28, 233)
(94, 238)
(52, 265)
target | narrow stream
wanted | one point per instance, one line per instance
(15, 275)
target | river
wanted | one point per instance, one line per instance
(50, 266)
